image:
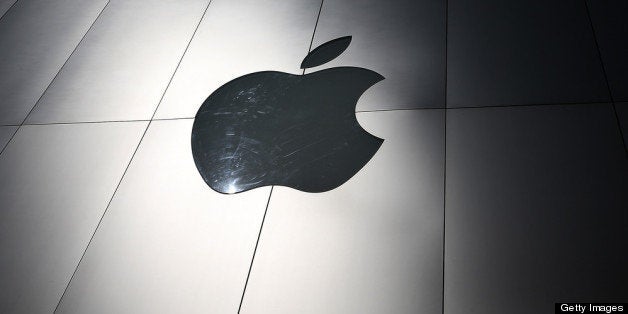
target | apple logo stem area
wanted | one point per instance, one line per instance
(274, 128)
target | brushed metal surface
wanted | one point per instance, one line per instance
(536, 208)
(124, 64)
(403, 40)
(237, 38)
(56, 183)
(521, 52)
(169, 243)
(37, 37)
(5, 5)
(373, 245)
(5, 135)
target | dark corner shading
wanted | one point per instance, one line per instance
(274, 128)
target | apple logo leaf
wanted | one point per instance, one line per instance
(326, 52)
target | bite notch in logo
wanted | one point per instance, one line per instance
(274, 128)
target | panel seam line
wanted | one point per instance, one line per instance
(259, 235)
(127, 166)
(9, 9)
(55, 77)
(608, 84)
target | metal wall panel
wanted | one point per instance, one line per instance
(169, 243)
(238, 38)
(5, 5)
(372, 245)
(122, 68)
(403, 40)
(56, 183)
(37, 37)
(5, 135)
(536, 209)
(521, 52)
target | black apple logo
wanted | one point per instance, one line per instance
(274, 128)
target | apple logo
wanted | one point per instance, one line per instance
(274, 128)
